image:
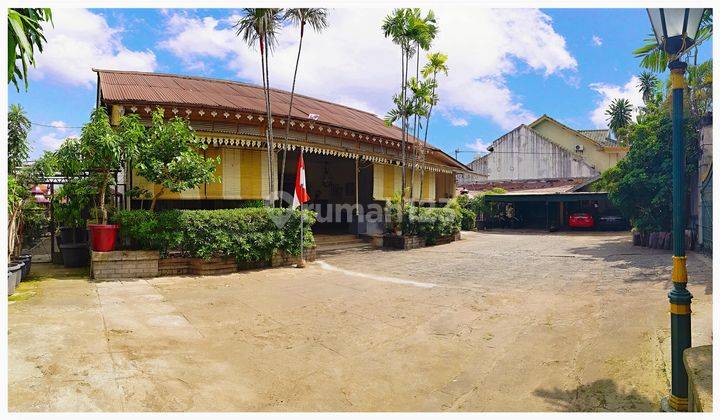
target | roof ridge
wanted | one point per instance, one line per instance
(215, 79)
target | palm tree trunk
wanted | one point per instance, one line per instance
(404, 125)
(415, 131)
(267, 107)
(427, 124)
(292, 95)
(271, 145)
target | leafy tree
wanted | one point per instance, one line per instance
(25, 33)
(168, 156)
(317, 19)
(619, 115)
(18, 128)
(20, 202)
(640, 185)
(103, 151)
(699, 86)
(261, 26)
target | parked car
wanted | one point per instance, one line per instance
(612, 220)
(581, 220)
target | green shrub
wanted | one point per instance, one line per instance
(247, 234)
(35, 225)
(431, 222)
(467, 219)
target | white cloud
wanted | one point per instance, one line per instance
(597, 41)
(81, 40)
(608, 92)
(352, 63)
(455, 121)
(479, 145)
(50, 142)
(61, 126)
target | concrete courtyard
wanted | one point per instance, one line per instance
(500, 321)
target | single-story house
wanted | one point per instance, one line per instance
(351, 156)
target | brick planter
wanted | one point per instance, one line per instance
(282, 258)
(174, 266)
(403, 242)
(124, 264)
(213, 266)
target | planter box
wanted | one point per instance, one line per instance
(403, 242)
(376, 241)
(174, 266)
(124, 264)
(282, 258)
(213, 266)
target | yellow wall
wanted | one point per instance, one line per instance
(387, 180)
(592, 153)
(242, 172)
(444, 186)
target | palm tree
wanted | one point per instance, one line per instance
(619, 114)
(396, 26)
(647, 85)
(261, 26)
(422, 31)
(655, 59)
(317, 19)
(25, 33)
(421, 98)
(436, 64)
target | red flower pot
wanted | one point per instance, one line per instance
(103, 237)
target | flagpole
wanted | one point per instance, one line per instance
(301, 263)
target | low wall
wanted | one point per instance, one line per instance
(124, 264)
(698, 364)
(282, 258)
(139, 264)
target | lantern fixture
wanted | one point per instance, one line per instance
(675, 29)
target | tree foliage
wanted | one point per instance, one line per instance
(25, 34)
(619, 114)
(168, 157)
(640, 185)
(18, 129)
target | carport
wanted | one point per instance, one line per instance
(546, 210)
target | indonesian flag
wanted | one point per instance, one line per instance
(301, 196)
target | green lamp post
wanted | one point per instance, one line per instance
(675, 30)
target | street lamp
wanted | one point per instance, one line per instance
(676, 31)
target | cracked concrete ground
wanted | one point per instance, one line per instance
(500, 321)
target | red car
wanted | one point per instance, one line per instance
(581, 220)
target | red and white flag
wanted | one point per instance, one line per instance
(301, 196)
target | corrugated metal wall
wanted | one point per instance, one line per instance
(524, 154)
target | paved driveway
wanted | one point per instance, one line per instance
(502, 321)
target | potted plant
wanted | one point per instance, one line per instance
(15, 268)
(103, 151)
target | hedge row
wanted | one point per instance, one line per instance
(431, 222)
(247, 234)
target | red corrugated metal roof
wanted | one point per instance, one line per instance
(128, 86)
(140, 87)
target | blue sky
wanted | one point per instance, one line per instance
(506, 66)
